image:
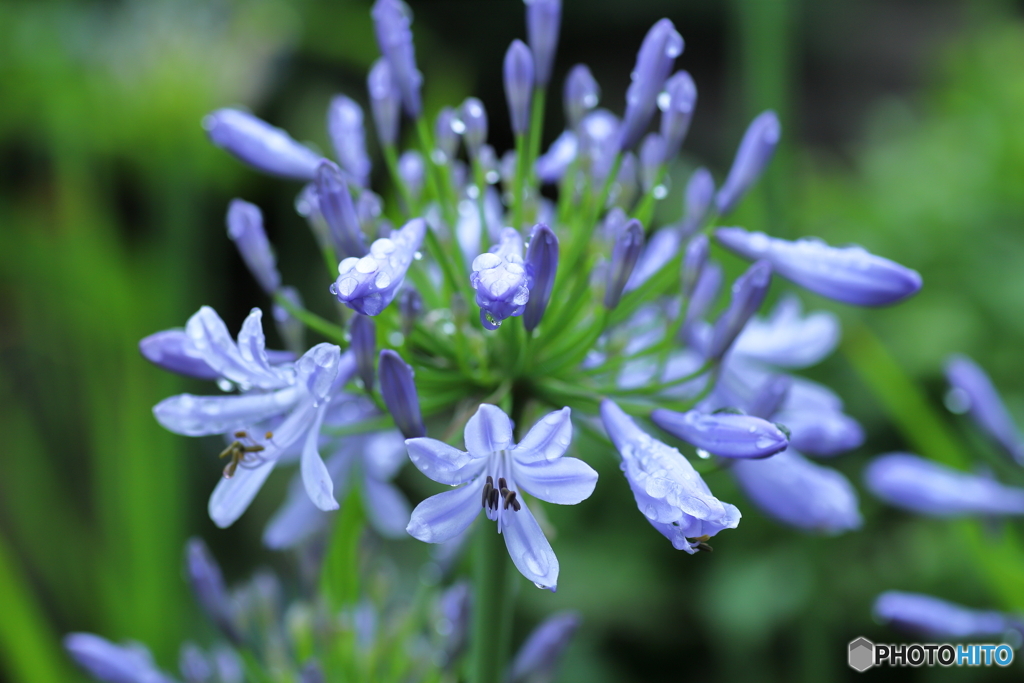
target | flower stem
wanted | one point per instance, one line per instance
(493, 603)
(314, 322)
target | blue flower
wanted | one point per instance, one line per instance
(493, 470)
(755, 151)
(668, 491)
(500, 280)
(113, 663)
(280, 410)
(935, 618)
(260, 145)
(973, 392)
(727, 435)
(368, 284)
(539, 656)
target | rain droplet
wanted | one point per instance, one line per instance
(703, 454)
(660, 192)
(382, 280)
(225, 385)
(957, 401)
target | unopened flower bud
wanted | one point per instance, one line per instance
(543, 18)
(754, 153)
(540, 655)
(446, 140)
(335, 203)
(369, 284)
(680, 99)
(652, 155)
(345, 127)
(519, 79)
(624, 256)
(208, 586)
(541, 267)
(727, 435)
(410, 305)
(291, 329)
(748, 292)
(474, 122)
(581, 94)
(411, 170)
(245, 228)
(364, 344)
(260, 145)
(700, 191)
(661, 46)
(385, 102)
(500, 280)
(391, 21)
(399, 394)
(976, 395)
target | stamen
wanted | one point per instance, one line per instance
(492, 501)
(510, 499)
(488, 487)
(241, 434)
(705, 547)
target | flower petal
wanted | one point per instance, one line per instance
(211, 340)
(547, 439)
(171, 350)
(446, 515)
(529, 549)
(191, 415)
(314, 473)
(488, 431)
(441, 462)
(252, 344)
(232, 496)
(384, 454)
(565, 481)
(386, 507)
(298, 519)
(786, 339)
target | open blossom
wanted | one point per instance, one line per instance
(492, 472)
(279, 410)
(668, 491)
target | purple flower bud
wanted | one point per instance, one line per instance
(851, 275)
(652, 155)
(769, 398)
(391, 21)
(926, 487)
(821, 432)
(500, 280)
(193, 665)
(173, 350)
(541, 268)
(369, 208)
(748, 291)
(937, 619)
(446, 139)
(208, 586)
(597, 142)
(399, 394)
(262, 146)
(385, 100)
(700, 190)
(799, 493)
(539, 656)
(661, 46)
(410, 305)
(543, 18)
(312, 673)
(581, 94)
(111, 663)
(291, 330)
(335, 203)
(411, 170)
(754, 153)
(723, 434)
(519, 85)
(624, 256)
(454, 607)
(474, 123)
(973, 392)
(553, 164)
(345, 126)
(704, 292)
(369, 284)
(245, 228)
(660, 249)
(694, 260)
(364, 344)
(677, 104)
(626, 186)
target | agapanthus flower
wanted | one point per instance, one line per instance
(927, 487)
(543, 19)
(753, 154)
(280, 409)
(245, 228)
(668, 491)
(392, 21)
(939, 619)
(500, 280)
(260, 145)
(676, 111)
(112, 663)
(348, 136)
(973, 392)
(582, 94)
(540, 654)
(700, 190)
(661, 46)
(728, 435)
(492, 471)
(368, 284)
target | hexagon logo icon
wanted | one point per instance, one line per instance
(862, 654)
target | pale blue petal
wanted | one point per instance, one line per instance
(314, 473)
(252, 344)
(821, 432)
(321, 366)
(211, 340)
(529, 549)
(298, 519)
(383, 454)
(441, 462)
(172, 350)
(547, 439)
(386, 507)
(204, 415)
(488, 431)
(787, 339)
(232, 496)
(564, 481)
(446, 515)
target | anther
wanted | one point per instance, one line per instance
(705, 547)
(510, 499)
(493, 499)
(488, 487)
(268, 436)
(241, 434)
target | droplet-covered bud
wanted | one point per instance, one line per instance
(260, 145)
(474, 122)
(625, 253)
(661, 46)
(399, 393)
(245, 228)
(348, 136)
(385, 102)
(541, 267)
(680, 99)
(500, 280)
(364, 345)
(754, 153)
(582, 94)
(700, 191)
(392, 20)
(335, 202)
(519, 80)
(543, 19)
(446, 139)
(727, 435)
(369, 284)
(748, 291)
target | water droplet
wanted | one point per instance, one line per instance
(752, 429)
(650, 512)
(366, 265)
(660, 192)
(396, 338)
(764, 442)
(458, 126)
(448, 328)
(957, 401)
(703, 454)
(439, 157)
(533, 563)
(664, 101)
(492, 177)
(382, 280)
(418, 256)
(333, 289)
(225, 385)
(345, 286)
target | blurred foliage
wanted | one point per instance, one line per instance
(111, 215)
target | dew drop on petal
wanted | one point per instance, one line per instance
(703, 454)
(224, 384)
(660, 192)
(382, 280)
(957, 401)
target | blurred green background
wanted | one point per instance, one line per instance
(903, 130)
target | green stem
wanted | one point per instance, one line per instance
(314, 322)
(519, 182)
(536, 132)
(493, 603)
(646, 206)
